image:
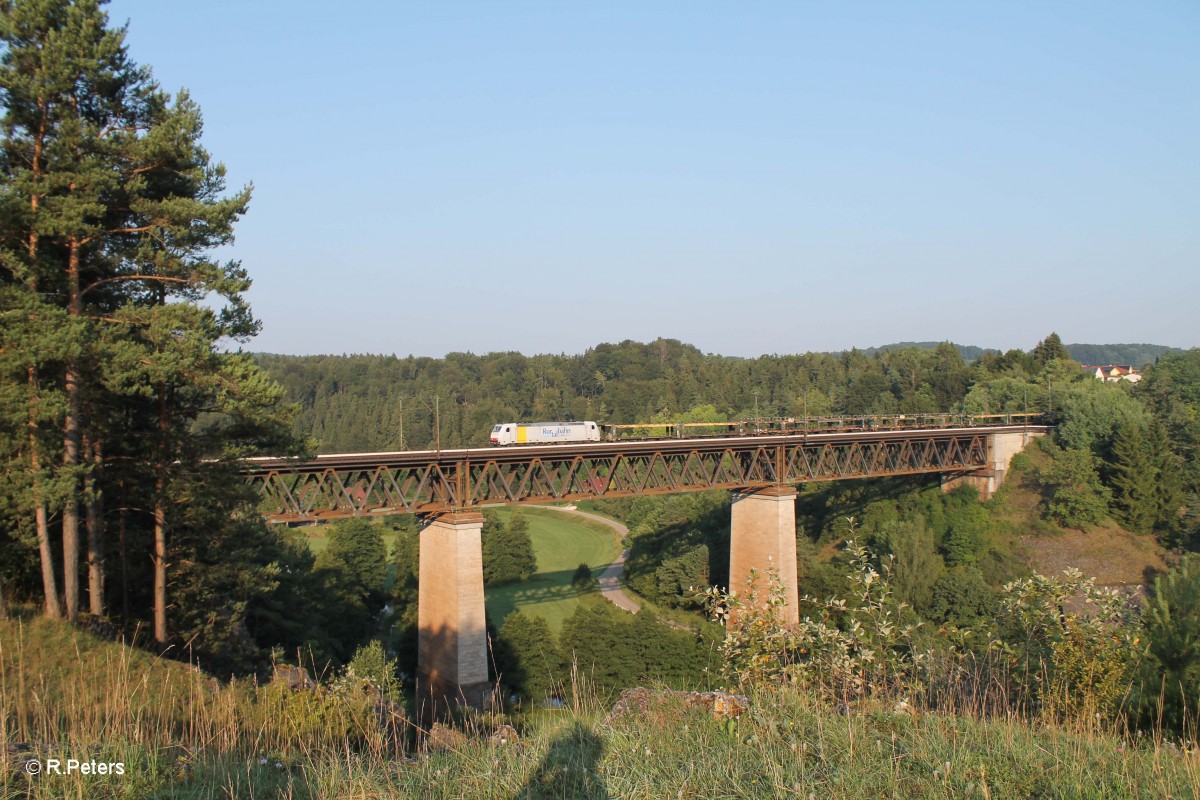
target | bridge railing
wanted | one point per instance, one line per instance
(828, 424)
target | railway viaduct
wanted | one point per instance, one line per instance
(446, 489)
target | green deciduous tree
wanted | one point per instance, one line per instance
(1074, 495)
(915, 563)
(1091, 413)
(507, 549)
(533, 666)
(961, 595)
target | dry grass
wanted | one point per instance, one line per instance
(180, 736)
(1114, 556)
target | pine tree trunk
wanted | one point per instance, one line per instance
(71, 434)
(160, 526)
(95, 536)
(160, 564)
(124, 560)
(49, 584)
(41, 518)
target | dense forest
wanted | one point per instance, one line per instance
(350, 403)
(365, 402)
(1135, 355)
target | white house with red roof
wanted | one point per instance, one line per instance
(1111, 373)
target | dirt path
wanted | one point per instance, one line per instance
(610, 579)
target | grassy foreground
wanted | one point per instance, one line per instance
(66, 694)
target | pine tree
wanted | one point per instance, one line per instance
(1050, 349)
(1168, 692)
(507, 550)
(1168, 485)
(534, 668)
(356, 546)
(1132, 476)
(112, 208)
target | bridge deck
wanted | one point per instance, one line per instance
(431, 481)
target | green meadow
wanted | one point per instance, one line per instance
(561, 542)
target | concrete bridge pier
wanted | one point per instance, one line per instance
(763, 539)
(1001, 447)
(452, 664)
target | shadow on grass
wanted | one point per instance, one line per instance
(544, 587)
(569, 768)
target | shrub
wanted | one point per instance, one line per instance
(854, 646)
(1075, 497)
(373, 666)
(962, 596)
(1072, 664)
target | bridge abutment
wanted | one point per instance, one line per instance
(1001, 447)
(452, 666)
(763, 539)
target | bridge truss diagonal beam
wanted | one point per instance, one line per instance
(426, 482)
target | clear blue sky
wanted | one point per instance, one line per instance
(747, 177)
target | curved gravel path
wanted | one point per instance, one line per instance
(610, 579)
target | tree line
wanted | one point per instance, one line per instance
(354, 403)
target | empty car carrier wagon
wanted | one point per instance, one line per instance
(545, 433)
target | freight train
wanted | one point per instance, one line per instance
(525, 433)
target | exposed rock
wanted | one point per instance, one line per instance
(444, 737)
(721, 705)
(295, 678)
(504, 735)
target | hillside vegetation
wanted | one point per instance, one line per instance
(70, 694)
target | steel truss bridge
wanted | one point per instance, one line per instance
(431, 482)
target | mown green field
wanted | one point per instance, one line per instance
(562, 542)
(318, 541)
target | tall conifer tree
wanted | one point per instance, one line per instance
(113, 210)
(1132, 477)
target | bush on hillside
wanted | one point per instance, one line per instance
(1069, 644)
(962, 596)
(1074, 497)
(852, 646)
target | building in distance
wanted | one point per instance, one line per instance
(1111, 373)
